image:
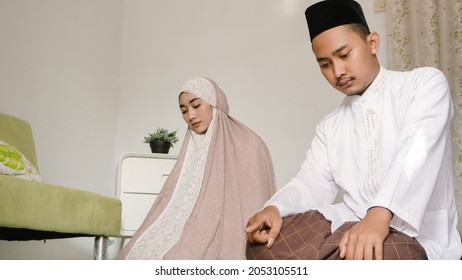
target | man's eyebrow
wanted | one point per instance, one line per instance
(339, 49)
(333, 53)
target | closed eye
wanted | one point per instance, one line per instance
(324, 65)
(343, 56)
(183, 109)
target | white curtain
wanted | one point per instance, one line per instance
(429, 33)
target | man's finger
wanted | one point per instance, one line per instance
(342, 245)
(253, 226)
(378, 251)
(274, 232)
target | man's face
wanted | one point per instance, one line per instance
(347, 61)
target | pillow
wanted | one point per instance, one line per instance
(14, 163)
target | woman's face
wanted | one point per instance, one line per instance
(196, 112)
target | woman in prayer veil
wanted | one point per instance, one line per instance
(223, 175)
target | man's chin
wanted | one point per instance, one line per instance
(351, 92)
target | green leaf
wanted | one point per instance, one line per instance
(11, 157)
(163, 135)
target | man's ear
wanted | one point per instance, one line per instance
(373, 40)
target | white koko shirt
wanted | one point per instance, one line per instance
(390, 147)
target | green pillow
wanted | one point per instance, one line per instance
(14, 163)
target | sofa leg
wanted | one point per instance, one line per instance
(100, 248)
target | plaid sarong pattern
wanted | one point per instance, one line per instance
(307, 236)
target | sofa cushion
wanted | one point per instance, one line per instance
(15, 163)
(27, 204)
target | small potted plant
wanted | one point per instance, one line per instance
(161, 141)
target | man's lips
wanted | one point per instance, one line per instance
(343, 82)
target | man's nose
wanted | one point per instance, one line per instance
(339, 69)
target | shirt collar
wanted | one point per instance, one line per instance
(377, 85)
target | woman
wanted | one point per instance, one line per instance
(223, 175)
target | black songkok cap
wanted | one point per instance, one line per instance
(328, 14)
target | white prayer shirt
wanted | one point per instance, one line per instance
(390, 147)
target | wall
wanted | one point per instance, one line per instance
(257, 51)
(95, 76)
(59, 69)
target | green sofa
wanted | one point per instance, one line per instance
(33, 210)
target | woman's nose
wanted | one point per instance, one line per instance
(191, 114)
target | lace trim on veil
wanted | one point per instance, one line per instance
(166, 231)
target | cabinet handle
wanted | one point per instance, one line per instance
(164, 175)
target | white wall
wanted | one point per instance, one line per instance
(59, 69)
(257, 51)
(93, 77)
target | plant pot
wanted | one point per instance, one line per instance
(160, 147)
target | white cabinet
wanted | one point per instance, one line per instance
(140, 177)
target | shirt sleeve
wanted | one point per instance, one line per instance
(422, 147)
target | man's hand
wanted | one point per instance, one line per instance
(264, 227)
(364, 241)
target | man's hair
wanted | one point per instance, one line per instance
(361, 30)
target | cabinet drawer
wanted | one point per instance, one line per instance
(145, 175)
(135, 208)
(139, 181)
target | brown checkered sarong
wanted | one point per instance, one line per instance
(307, 236)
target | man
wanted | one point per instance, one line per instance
(387, 145)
